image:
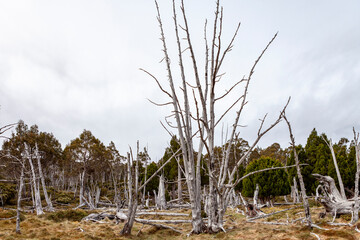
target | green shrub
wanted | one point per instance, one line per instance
(64, 197)
(7, 192)
(70, 214)
(272, 183)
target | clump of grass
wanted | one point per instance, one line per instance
(339, 234)
(346, 217)
(70, 214)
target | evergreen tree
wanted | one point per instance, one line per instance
(272, 183)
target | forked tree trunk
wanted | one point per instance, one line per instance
(133, 195)
(47, 199)
(35, 183)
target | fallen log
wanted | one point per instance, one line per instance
(145, 221)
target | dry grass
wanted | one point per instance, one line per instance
(34, 227)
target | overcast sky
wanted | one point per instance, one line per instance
(73, 65)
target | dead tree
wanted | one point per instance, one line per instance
(161, 194)
(202, 113)
(331, 198)
(21, 184)
(34, 182)
(133, 194)
(356, 196)
(299, 175)
(133, 201)
(47, 199)
(341, 185)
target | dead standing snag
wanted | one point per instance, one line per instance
(199, 109)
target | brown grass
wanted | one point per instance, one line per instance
(34, 227)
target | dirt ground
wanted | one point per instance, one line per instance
(236, 226)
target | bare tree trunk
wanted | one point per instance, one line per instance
(81, 192)
(179, 185)
(341, 185)
(47, 199)
(21, 184)
(38, 206)
(256, 194)
(161, 194)
(97, 196)
(356, 196)
(132, 195)
(296, 198)
(298, 170)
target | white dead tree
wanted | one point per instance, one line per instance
(161, 204)
(47, 199)
(356, 196)
(21, 185)
(134, 191)
(299, 175)
(133, 194)
(202, 113)
(341, 185)
(34, 181)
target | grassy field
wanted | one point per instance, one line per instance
(66, 225)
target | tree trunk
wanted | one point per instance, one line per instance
(331, 198)
(179, 185)
(21, 184)
(161, 194)
(256, 194)
(47, 199)
(35, 185)
(296, 198)
(356, 195)
(341, 185)
(298, 170)
(81, 193)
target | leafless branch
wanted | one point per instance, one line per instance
(158, 83)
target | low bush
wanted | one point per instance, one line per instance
(7, 192)
(70, 214)
(64, 197)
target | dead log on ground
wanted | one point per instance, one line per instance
(331, 198)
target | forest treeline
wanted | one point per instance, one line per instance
(87, 167)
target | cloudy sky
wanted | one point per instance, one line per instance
(73, 65)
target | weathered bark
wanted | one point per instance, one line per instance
(21, 184)
(179, 190)
(133, 194)
(356, 195)
(161, 194)
(34, 182)
(130, 217)
(256, 193)
(341, 185)
(331, 198)
(298, 171)
(81, 192)
(295, 192)
(97, 196)
(47, 199)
